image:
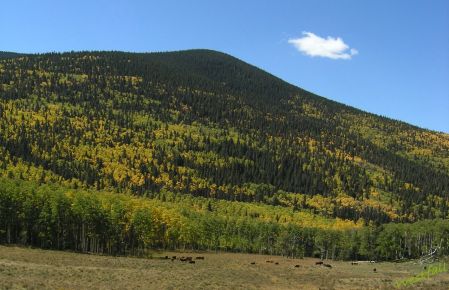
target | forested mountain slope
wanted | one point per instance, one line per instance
(204, 123)
(7, 54)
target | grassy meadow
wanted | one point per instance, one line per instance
(24, 268)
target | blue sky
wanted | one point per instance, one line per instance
(399, 68)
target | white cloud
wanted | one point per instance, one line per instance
(330, 47)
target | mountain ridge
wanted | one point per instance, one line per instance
(8, 54)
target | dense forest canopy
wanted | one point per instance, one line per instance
(204, 125)
(51, 216)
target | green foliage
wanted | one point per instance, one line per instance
(89, 221)
(54, 217)
(207, 124)
(248, 162)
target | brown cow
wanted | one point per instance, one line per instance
(296, 266)
(319, 263)
(253, 263)
(200, 258)
(192, 262)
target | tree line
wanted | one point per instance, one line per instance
(54, 217)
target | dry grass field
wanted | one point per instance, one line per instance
(22, 268)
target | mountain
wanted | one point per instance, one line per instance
(204, 125)
(7, 54)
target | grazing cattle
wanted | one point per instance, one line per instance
(374, 270)
(166, 257)
(319, 263)
(269, 261)
(327, 265)
(354, 263)
(188, 258)
(200, 258)
(296, 266)
(276, 263)
(192, 262)
(174, 257)
(182, 259)
(253, 263)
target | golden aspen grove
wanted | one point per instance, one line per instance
(118, 153)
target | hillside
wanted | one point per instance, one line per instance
(7, 54)
(203, 124)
